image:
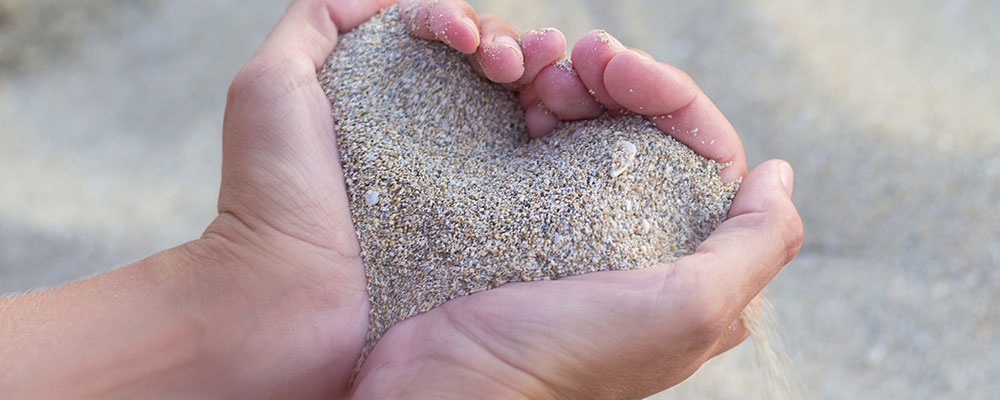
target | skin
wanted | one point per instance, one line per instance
(270, 302)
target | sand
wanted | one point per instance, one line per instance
(449, 197)
(885, 299)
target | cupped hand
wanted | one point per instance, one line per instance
(616, 334)
(603, 335)
(283, 209)
(284, 213)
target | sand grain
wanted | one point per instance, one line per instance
(450, 198)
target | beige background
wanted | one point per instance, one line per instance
(110, 112)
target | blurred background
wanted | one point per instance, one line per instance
(111, 111)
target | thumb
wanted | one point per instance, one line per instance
(761, 235)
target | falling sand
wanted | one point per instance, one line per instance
(449, 197)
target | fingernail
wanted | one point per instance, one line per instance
(787, 177)
(507, 41)
(472, 25)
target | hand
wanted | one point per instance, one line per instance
(617, 334)
(283, 210)
(271, 301)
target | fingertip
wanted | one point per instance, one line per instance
(453, 22)
(732, 174)
(459, 35)
(473, 27)
(541, 48)
(466, 39)
(779, 171)
(501, 60)
(539, 121)
(764, 190)
(737, 168)
(499, 57)
(591, 55)
(596, 40)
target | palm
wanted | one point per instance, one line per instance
(292, 181)
(283, 194)
(606, 326)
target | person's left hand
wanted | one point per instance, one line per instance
(283, 209)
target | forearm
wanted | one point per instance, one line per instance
(151, 326)
(196, 321)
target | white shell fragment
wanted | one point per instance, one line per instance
(371, 198)
(623, 164)
(644, 226)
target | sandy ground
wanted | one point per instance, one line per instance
(110, 113)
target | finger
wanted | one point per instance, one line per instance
(591, 55)
(499, 57)
(677, 106)
(284, 67)
(762, 233)
(308, 29)
(560, 88)
(453, 22)
(538, 119)
(348, 14)
(541, 48)
(306, 32)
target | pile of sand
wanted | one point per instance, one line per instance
(450, 198)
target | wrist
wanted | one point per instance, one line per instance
(155, 327)
(291, 330)
(207, 319)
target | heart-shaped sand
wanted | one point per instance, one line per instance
(450, 198)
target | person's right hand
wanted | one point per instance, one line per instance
(616, 334)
